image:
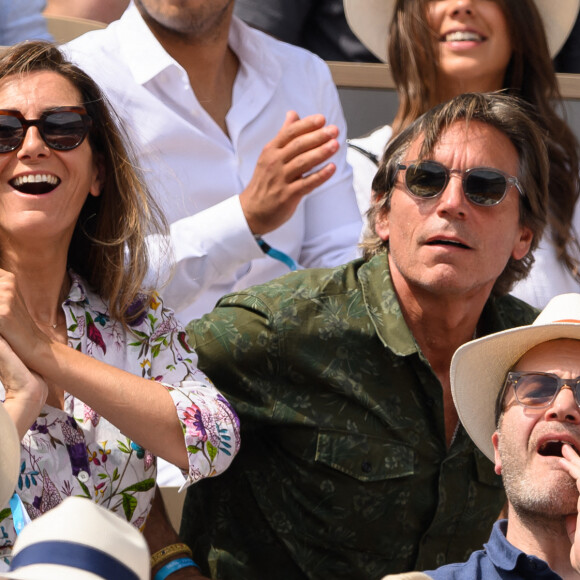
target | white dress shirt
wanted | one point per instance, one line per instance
(197, 171)
(364, 168)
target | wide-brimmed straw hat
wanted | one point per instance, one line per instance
(370, 20)
(9, 457)
(79, 540)
(479, 367)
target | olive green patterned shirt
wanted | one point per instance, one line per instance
(343, 470)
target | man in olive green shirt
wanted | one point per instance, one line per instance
(353, 463)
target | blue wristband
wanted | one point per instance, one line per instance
(173, 566)
(276, 254)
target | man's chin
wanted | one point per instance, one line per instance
(555, 498)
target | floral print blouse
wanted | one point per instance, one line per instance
(77, 452)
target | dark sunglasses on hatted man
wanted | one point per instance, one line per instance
(539, 390)
(62, 128)
(481, 185)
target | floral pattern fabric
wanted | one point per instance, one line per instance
(77, 452)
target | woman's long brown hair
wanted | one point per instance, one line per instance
(530, 75)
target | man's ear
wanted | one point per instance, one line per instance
(497, 459)
(382, 225)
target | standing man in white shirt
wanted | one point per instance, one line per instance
(202, 94)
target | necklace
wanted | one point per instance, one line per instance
(55, 325)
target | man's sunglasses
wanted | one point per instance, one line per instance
(482, 185)
(539, 390)
(62, 129)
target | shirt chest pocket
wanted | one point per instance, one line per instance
(364, 457)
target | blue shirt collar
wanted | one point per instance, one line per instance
(506, 556)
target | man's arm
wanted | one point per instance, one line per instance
(160, 534)
(290, 167)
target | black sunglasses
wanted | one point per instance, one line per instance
(62, 129)
(539, 390)
(481, 185)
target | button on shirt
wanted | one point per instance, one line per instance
(499, 560)
(344, 471)
(197, 171)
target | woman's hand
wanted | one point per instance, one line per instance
(16, 325)
(26, 391)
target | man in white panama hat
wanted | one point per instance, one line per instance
(79, 540)
(517, 394)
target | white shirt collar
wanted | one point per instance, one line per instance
(147, 58)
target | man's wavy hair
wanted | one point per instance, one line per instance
(108, 245)
(507, 114)
(413, 56)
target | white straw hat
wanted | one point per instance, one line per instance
(370, 20)
(79, 540)
(479, 367)
(9, 457)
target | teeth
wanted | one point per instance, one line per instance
(462, 35)
(38, 178)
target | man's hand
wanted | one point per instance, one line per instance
(281, 178)
(571, 463)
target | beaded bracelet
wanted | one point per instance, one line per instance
(168, 551)
(173, 566)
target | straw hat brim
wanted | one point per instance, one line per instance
(479, 368)
(370, 20)
(9, 456)
(85, 542)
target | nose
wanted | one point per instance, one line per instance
(564, 408)
(452, 202)
(461, 7)
(33, 145)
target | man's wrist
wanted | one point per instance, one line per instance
(173, 566)
(166, 553)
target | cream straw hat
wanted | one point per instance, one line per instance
(79, 540)
(479, 367)
(9, 457)
(370, 20)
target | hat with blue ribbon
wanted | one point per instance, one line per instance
(79, 540)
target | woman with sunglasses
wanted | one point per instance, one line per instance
(438, 49)
(96, 372)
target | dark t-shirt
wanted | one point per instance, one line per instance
(317, 25)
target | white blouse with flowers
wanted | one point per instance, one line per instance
(77, 452)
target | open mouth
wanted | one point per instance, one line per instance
(463, 36)
(447, 243)
(553, 448)
(35, 184)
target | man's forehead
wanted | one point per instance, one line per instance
(552, 356)
(457, 135)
